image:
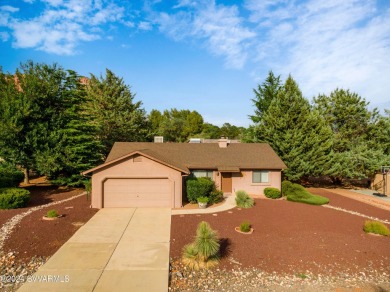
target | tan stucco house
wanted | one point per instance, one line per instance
(142, 174)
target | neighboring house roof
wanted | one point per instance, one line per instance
(186, 156)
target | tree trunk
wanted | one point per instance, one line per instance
(26, 175)
(337, 180)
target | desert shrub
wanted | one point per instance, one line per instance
(245, 226)
(199, 187)
(272, 193)
(216, 196)
(376, 227)
(9, 176)
(312, 200)
(297, 193)
(243, 200)
(52, 214)
(12, 198)
(204, 251)
(203, 199)
(286, 185)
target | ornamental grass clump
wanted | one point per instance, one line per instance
(245, 227)
(203, 253)
(52, 214)
(243, 200)
(371, 226)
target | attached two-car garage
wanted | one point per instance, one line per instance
(137, 192)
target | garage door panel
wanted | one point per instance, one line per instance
(136, 192)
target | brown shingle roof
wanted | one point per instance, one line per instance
(203, 156)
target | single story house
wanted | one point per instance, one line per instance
(144, 174)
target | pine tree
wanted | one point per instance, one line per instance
(298, 135)
(264, 94)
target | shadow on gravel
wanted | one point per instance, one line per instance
(224, 247)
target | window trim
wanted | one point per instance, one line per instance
(208, 172)
(260, 171)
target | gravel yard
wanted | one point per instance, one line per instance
(293, 244)
(27, 241)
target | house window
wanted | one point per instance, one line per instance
(260, 176)
(202, 173)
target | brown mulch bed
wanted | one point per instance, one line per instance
(34, 236)
(292, 237)
(40, 195)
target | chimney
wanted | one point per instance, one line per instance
(223, 142)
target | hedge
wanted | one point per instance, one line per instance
(199, 187)
(9, 176)
(12, 198)
(272, 193)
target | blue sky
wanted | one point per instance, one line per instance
(207, 55)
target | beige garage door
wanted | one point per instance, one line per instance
(137, 192)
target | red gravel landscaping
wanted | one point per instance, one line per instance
(293, 237)
(34, 236)
(40, 195)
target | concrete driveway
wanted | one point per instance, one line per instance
(121, 249)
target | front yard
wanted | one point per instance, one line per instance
(27, 241)
(289, 239)
(294, 246)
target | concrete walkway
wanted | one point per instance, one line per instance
(121, 249)
(229, 203)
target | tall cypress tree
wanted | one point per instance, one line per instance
(298, 135)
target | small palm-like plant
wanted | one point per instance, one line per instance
(203, 252)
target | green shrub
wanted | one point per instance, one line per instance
(272, 193)
(297, 193)
(286, 185)
(376, 227)
(312, 200)
(243, 200)
(245, 226)
(204, 251)
(216, 196)
(199, 187)
(203, 200)
(10, 176)
(52, 214)
(12, 198)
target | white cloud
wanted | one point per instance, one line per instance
(63, 25)
(4, 36)
(8, 8)
(220, 27)
(145, 26)
(327, 44)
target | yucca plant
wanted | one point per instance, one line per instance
(203, 252)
